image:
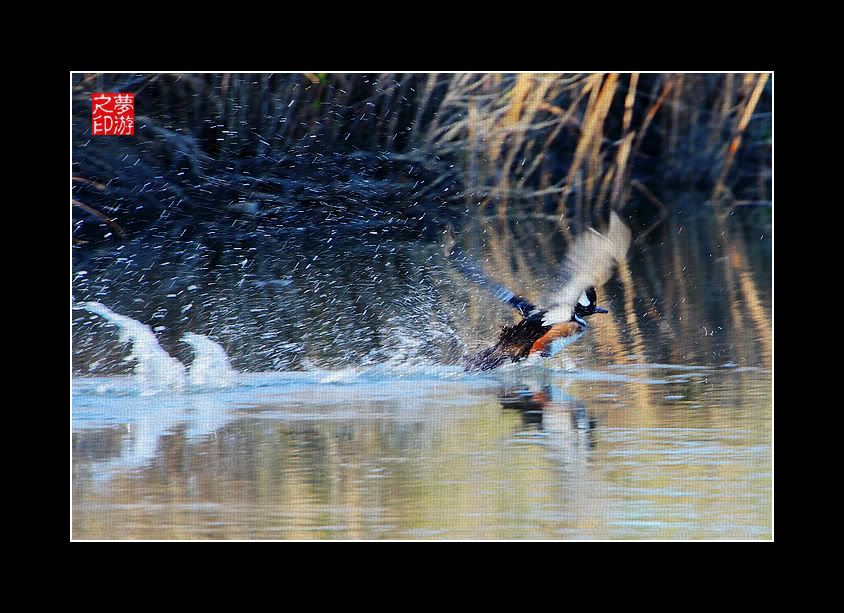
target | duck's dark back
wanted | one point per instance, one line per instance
(513, 345)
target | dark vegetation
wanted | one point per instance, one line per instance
(239, 183)
(290, 148)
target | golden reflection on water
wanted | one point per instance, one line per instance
(699, 292)
(631, 450)
(628, 453)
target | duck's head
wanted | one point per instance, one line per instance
(586, 304)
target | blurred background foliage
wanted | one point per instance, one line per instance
(512, 144)
(298, 218)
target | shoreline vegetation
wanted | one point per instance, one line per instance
(504, 144)
(318, 183)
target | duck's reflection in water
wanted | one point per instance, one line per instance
(565, 424)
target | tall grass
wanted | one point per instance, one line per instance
(563, 145)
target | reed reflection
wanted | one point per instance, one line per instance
(547, 409)
(630, 452)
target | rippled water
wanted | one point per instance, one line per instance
(320, 399)
(633, 451)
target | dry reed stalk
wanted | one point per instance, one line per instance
(596, 110)
(735, 142)
(426, 90)
(526, 106)
(108, 220)
(723, 115)
(565, 118)
(602, 110)
(621, 186)
(95, 184)
(473, 137)
(667, 86)
(517, 96)
(436, 133)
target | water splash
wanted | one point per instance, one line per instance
(210, 367)
(412, 347)
(155, 370)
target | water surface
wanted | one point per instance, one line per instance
(320, 395)
(628, 452)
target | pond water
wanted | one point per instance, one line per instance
(648, 452)
(325, 400)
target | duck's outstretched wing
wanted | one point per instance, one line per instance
(472, 271)
(590, 261)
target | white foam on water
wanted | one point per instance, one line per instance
(155, 370)
(343, 375)
(210, 367)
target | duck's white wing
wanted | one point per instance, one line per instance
(590, 261)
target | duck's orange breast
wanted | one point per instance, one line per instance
(562, 330)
